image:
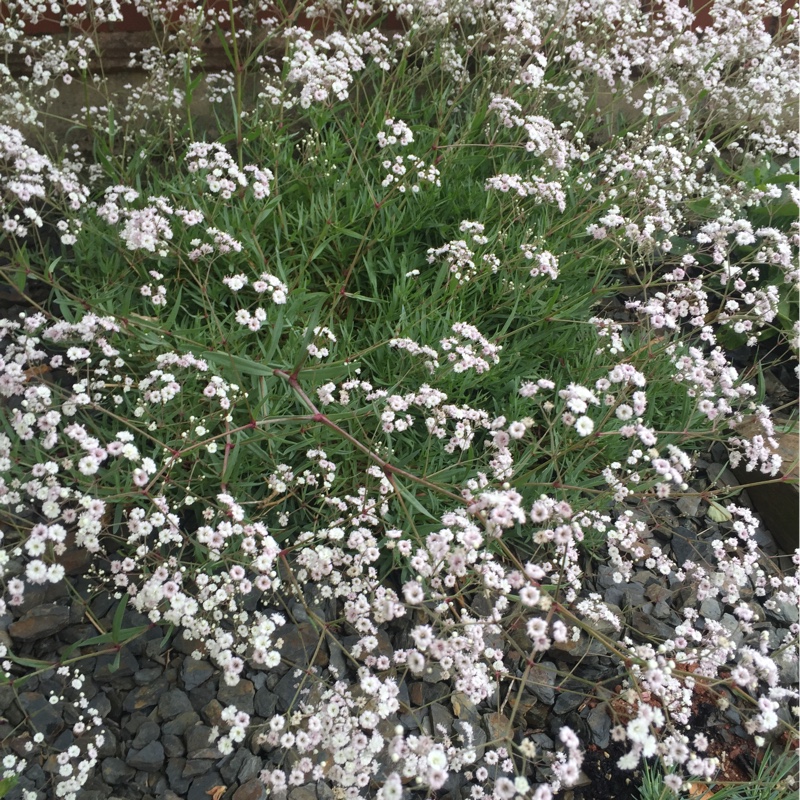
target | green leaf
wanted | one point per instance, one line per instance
(409, 498)
(114, 665)
(7, 784)
(351, 233)
(116, 625)
(718, 513)
(243, 365)
(233, 458)
(123, 635)
(29, 662)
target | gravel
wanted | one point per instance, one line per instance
(159, 705)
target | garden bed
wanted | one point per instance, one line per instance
(388, 429)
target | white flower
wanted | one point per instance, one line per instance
(638, 730)
(516, 430)
(36, 571)
(584, 426)
(437, 759)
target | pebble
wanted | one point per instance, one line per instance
(39, 623)
(710, 608)
(541, 680)
(45, 717)
(688, 505)
(202, 785)
(175, 778)
(112, 668)
(115, 771)
(599, 723)
(572, 694)
(148, 732)
(173, 703)
(149, 759)
(264, 703)
(195, 672)
(687, 546)
(198, 744)
(242, 766)
(242, 695)
(498, 727)
(441, 719)
(252, 790)
(645, 625)
(145, 696)
(307, 792)
(181, 723)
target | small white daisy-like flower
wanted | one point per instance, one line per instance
(516, 430)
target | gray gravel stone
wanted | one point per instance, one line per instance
(115, 771)
(541, 680)
(264, 703)
(722, 475)
(688, 505)
(600, 725)
(143, 697)
(686, 546)
(101, 704)
(498, 726)
(172, 703)
(144, 676)
(39, 623)
(198, 745)
(173, 745)
(661, 610)
(307, 792)
(441, 719)
(181, 723)
(148, 732)
(286, 691)
(299, 646)
(474, 734)
(177, 782)
(149, 759)
(252, 790)
(199, 790)
(783, 611)
(625, 595)
(202, 695)
(337, 661)
(711, 608)
(104, 671)
(571, 696)
(734, 629)
(241, 766)
(240, 695)
(197, 766)
(194, 673)
(648, 626)
(211, 713)
(45, 717)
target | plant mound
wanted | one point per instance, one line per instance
(397, 329)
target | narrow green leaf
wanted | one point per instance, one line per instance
(245, 366)
(116, 625)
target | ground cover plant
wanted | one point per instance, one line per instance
(402, 325)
